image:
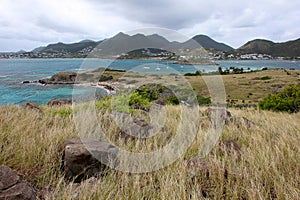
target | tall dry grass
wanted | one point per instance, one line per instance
(269, 166)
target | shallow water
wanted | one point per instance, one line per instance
(14, 71)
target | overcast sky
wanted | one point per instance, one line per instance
(26, 24)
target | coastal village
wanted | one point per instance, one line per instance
(212, 55)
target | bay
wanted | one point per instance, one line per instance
(14, 71)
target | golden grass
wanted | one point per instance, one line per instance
(269, 166)
(243, 88)
(247, 87)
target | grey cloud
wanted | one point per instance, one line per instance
(234, 22)
(167, 14)
(57, 26)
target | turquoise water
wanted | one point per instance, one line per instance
(14, 71)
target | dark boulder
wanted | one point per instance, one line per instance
(137, 131)
(12, 188)
(44, 81)
(57, 102)
(8, 177)
(139, 128)
(31, 105)
(84, 158)
(20, 191)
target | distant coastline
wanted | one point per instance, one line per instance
(141, 46)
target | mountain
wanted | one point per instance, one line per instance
(284, 49)
(21, 51)
(208, 43)
(38, 49)
(257, 46)
(123, 43)
(72, 48)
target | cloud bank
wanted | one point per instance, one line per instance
(32, 23)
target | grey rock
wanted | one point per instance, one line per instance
(137, 131)
(85, 158)
(57, 102)
(8, 177)
(12, 188)
(31, 105)
(20, 191)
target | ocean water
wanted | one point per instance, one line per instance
(14, 71)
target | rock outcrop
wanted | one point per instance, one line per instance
(12, 187)
(57, 102)
(83, 158)
(31, 105)
(60, 78)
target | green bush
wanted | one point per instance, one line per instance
(171, 100)
(121, 104)
(197, 73)
(66, 112)
(104, 103)
(287, 100)
(203, 100)
(137, 99)
(151, 91)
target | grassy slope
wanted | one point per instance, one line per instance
(30, 144)
(247, 87)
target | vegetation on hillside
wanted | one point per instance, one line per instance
(286, 49)
(287, 100)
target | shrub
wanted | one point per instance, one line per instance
(151, 91)
(137, 99)
(203, 100)
(171, 100)
(287, 100)
(197, 73)
(121, 104)
(263, 78)
(66, 112)
(266, 78)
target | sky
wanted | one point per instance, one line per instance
(27, 24)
